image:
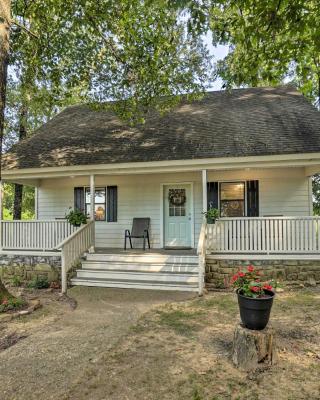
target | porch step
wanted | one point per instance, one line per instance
(142, 258)
(127, 284)
(140, 271)
(114, 274)
(143, 267)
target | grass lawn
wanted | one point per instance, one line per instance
(182, 351)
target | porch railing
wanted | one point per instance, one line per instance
(34, 234)
(264, 235)
(73, 247)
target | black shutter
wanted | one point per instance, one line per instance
(253, 198)
(212, 194)
(79, 199)
(112, 203)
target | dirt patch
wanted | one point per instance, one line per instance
(61, 342)
(10, 340)
(182, 351)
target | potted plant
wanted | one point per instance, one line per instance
(211, 215)
(255, 298)
(76, 217)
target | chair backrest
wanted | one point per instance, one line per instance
(139, 225)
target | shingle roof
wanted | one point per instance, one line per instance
(244, 122)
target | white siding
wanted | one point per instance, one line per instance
(282, 192)
(138, 196)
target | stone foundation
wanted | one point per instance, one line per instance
(28, 267)
(296, 273)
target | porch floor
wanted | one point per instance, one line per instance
(173, 252)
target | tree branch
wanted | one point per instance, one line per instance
(14, 22)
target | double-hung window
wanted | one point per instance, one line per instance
(99, 203)
(232, 199)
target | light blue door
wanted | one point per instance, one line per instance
(177, 215)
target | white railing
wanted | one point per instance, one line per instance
(201, 251)
(264, 235)
(73, 247)
(34, 234)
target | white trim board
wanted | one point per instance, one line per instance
(259, 257)
(33, 253)
(309, 160)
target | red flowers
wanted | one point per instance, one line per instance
(4, 301)
(249, 283)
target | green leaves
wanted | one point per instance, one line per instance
(269, 41)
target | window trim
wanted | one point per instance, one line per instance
(105, 201)
(244, 197)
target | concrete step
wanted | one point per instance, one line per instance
(168, 277)
(125, 284)
(142, 258)
(136, 266)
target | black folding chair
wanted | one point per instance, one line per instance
(140, 230)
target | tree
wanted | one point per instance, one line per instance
(269, 41)
(131, 50)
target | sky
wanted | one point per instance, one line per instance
(218, 52)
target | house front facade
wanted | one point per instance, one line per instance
(250, 153)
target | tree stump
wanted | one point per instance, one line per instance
(253, 349)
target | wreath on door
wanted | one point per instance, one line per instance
(177, 197)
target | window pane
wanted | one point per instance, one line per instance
(100, 212)
(100, 195)
(232, 208)
(232, 191)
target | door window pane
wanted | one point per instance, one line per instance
(232, 199)
(177, 202)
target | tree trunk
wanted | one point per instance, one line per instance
(253, 349)
(5, 16)
(18, 189)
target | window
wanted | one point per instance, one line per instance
(99, 203)
(232, 199)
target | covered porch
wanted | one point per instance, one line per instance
(112, 196)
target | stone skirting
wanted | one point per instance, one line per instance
(27, 267)
(295, 273)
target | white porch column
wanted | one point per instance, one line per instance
(92, 196)
(204, 191)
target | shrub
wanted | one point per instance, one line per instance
(76, 217)
(11, 304)
(39, 282)
(16, 281)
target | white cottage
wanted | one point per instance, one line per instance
(250, 153)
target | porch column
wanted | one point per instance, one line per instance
(204, 191)
(92, 196)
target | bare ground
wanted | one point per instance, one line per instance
(43, 353)
(136, 345)
(182, 351)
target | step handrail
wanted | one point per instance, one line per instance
(73, 247)
(201, 251)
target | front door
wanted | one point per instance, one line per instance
(177, 215)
